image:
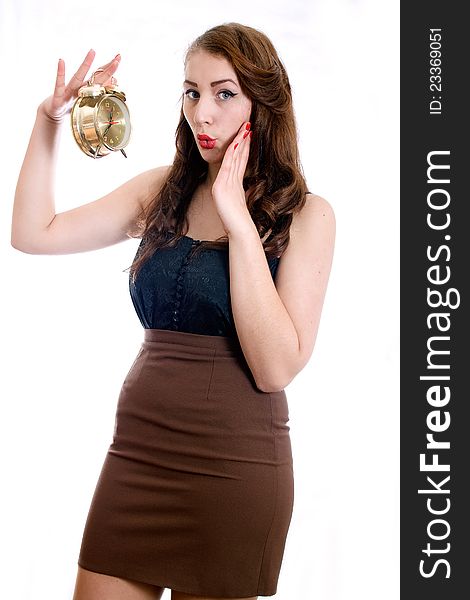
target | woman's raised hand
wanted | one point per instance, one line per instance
(227, 190)
(55, 107)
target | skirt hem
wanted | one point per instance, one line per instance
(173, 586)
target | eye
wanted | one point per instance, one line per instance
(188, 92)
(230, 94)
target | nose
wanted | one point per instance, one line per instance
(203, 112)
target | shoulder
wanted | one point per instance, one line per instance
(311, 238)
(315, 208)
(140, 191)
(151, 182)
(312, 226)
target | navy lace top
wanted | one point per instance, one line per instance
(185, 291)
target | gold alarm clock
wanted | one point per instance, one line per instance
(100, 119)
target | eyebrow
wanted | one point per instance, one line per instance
(212, 84)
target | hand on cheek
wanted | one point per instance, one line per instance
(227, 190)
(244, 131)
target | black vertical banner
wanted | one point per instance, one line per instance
(435, 257)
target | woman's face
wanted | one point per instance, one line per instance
(214, 103)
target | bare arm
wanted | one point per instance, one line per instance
(33, 207)
(277, 322)
(36, 228)
(103, 222)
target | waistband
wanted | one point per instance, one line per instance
(215, 342)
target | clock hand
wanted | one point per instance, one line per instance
(110, 123)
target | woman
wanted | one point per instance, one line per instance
(196, 492)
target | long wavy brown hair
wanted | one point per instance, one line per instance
(274, 179)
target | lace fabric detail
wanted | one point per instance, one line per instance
(185, 289)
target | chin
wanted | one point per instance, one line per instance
(210, 156)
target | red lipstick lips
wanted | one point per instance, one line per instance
(205, 141)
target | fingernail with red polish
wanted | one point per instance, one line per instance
(248, 125)
(251, 134)
(235, 146)
(245, 134)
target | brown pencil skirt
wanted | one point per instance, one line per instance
(196, 491)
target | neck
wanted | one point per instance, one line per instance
(213, 171)
(212, 174)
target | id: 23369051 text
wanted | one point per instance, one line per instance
(435, 71)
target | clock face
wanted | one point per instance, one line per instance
(112, 122)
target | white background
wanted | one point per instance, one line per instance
(69, 332)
